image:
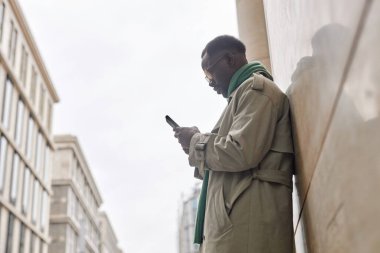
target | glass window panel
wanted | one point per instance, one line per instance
(41, 246)
(15, 172)
(42, 156)
(38, 152)
(19, 122)
(44, 214)
(9, 244)
(33, 85)
(12, 43)
(3, 160)
(25, 194)
(7, 103)
(74, 206)
(35, 200)
(37, 249)
(47, 165)
(29, 138)
(39, 203)
(2, 11)
(24, 64)
(14, 46)
(10, 39)
(42, 102)
(21, 247)
(32, 242)
(49, 115)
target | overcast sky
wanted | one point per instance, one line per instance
(119, 67)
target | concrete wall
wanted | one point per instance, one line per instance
(252, 30)
(326, 54)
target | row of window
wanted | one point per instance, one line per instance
(33, 245)
(26, 134)
(72, 243)
(77, 212)
(30, 198)
(82, 184)
(75, 243)
(29, 80)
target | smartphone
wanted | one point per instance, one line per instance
(171, 122)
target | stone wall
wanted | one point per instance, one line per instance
(325, 54)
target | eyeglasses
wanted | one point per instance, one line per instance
(208, 76)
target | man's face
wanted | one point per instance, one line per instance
(218, 71)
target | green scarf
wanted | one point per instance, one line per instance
(246, 72)
(199, 223)
(238, 78)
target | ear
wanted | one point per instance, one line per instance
(231, 59)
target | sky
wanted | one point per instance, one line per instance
(119, 67)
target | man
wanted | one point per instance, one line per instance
(246, 161)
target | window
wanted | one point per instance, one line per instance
(14, 180)
(37, 157)
(49, 115)
(41, 246)
(33, 85)
(35, 201)
(7, 103)
(12, 43)
(8, 247)
(2, 11)
(3, 160)
(42, 157)
(42, 102)
(71, 239)
(29, 138)
(19, 122)
(25, 193)
(47, 165)
(22, 239)
(43, 212)
(32, 242)
(24, 64)
(37, 245)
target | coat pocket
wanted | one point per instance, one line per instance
(239, 189)
(219, 223)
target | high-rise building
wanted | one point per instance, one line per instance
(27, 96)
(108, 239)
(74, 223)
(27, 146)
(186, 227)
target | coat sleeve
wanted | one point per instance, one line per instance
(247, 142)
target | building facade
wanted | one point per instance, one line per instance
(186, 226)
(74, 223)
(325, 55)
(38, 214)
(108, 239)
(27, 97)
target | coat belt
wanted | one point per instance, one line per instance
(274, 176)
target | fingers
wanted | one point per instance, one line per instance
(178, 131)
(184, 135)
(186, 150)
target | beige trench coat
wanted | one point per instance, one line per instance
(250, 157)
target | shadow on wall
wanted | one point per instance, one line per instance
(336, 105)
(314, 90)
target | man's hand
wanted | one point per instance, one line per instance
(184, 134)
